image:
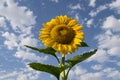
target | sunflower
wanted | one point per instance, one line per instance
(62, 34)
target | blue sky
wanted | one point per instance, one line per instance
(21, 20)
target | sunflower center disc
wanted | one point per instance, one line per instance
(62, 34)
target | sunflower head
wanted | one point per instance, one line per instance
(62, 34)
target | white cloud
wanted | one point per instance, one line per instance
(28, 73)
(2, 22)
(76, 72)
(11, 40)
(92, 3)
(89, 22)
(28, 41)
(75, 7)
(115, 5)
(108, 32)
(14, 41)
(97, 67)
(56, 1)
(77, 16)
(26, 55)
(112, 23)
(112, 73)
(92, 76)
(8, 75)
(100, 56)
(109, 45)
(108, 41)
(98, 10)
(21, 20)
(23, 74)
(115, 51)
(118, 63)
(19, 16)
(108, 73)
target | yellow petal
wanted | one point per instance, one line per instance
(77, 27)
(72, 23)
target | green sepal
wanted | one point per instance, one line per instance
(47, 50)
(79, 58)
(83, 44)
(48, 68)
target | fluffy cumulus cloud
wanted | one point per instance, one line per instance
(92, 3)
(115, 5)
(118, 63)
(109, 73)
(108, 46)
(75, 7)
(114, 51)
(56, 1)
(18, 41)
(77, 16)
(2, 22)
(89, 76)
(97, 67)
(23, 74)
(19, 16)
(89, 22)
(112, 73)
(7, 75)
(11, 39)
(108, 41)
(21, 20)
(19, 33)
(112, 23)
(76, 72)
(98, 10)
(100, 56)
(29, 56)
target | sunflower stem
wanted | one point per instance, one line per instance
(63, 64)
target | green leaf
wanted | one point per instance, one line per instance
(48, 68)
(47, 50)
(83, 44)
(79, 58)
